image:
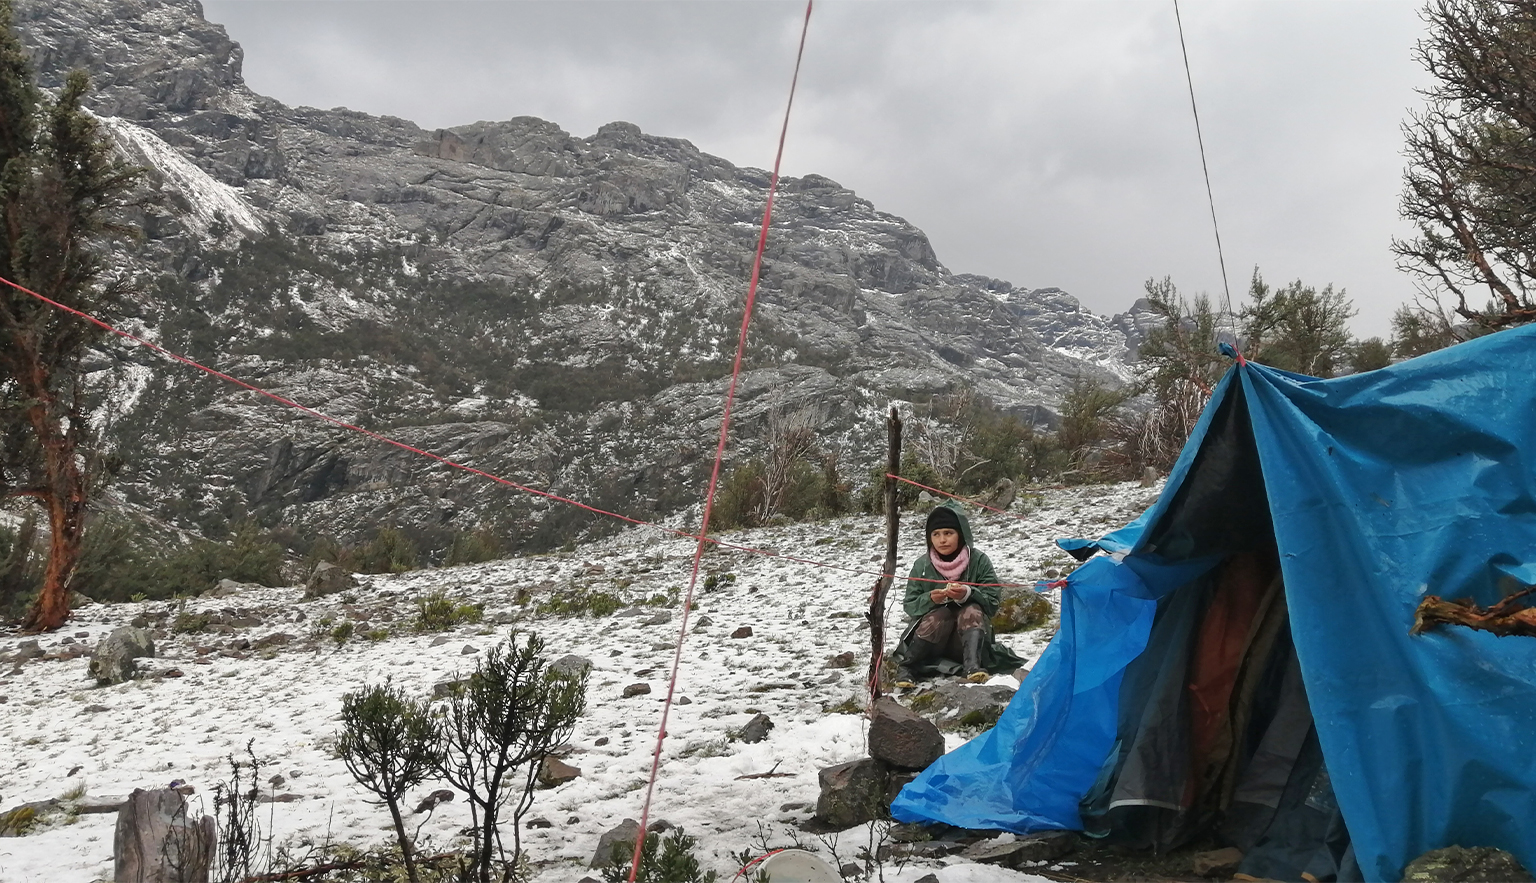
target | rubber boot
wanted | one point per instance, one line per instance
(970, 647)
(919, 651)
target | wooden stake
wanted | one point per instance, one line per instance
(876, 613)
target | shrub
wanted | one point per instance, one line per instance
(581, 601)
(511, 712)
(389, 743)
(439, 613)
(191, 623)
(390, 551)
(21, 568)
(121, 558)
(669, 860)
(473, 547)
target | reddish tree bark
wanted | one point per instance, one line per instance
(1506, 618)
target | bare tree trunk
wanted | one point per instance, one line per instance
(64, 498)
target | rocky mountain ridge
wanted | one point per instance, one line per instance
(557, 310)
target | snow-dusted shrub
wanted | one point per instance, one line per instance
(389, 743)
(512, 710)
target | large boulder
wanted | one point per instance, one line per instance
(903, 738)
(328, 579)
(1474, 864)
(1021, 609)
(155, 841)
(853, 793)
(113, 661)
(961, 706)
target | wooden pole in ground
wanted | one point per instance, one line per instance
(876, 613)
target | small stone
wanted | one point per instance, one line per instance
(841, 660)
(1217, 862)
(902, 737)
(852, 793)
(468, 650)
(684, 700)
(756, 729)
(851, 871)
(573, 820)
(540, 822)
(439, 641)
(114, 660)
(601, 740)
(554, 772)
(743, 632)
(431, 801)
(328, 579)
(703, 622)
(636, 690)
(82, 635)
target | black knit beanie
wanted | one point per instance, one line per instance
(943, 517)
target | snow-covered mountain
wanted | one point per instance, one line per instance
(554, 309)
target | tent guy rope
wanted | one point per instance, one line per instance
(714, 475)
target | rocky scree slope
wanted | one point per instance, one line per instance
(555, 309)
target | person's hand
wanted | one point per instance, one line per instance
(939, 596)
(955, 591)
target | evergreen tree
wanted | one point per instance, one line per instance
(59, 181)
(1296, 328)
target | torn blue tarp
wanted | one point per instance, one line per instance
(1380, 488)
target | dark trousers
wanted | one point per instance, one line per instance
(943, 624)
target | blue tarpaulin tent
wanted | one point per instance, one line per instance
(1372, 490)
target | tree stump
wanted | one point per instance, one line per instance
(156, 842)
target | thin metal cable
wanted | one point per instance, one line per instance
(1210, 199)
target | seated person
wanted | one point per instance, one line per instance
(952, 594)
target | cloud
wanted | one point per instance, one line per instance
(1047, 143)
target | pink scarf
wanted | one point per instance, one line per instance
(951, 570)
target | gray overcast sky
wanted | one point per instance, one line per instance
(1045, 143)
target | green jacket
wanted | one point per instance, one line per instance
(996, 657)
(989, 596)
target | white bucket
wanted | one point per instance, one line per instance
(796, 866)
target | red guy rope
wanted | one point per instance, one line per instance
(714, 475)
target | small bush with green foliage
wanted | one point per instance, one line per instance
(439, 613)
(121, 559)
(662, 860)
(474, 547)
(389, 743)
(511, 712)
(581, 601)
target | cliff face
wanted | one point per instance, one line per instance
(553, 309)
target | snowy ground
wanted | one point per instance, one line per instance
(59, 732)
